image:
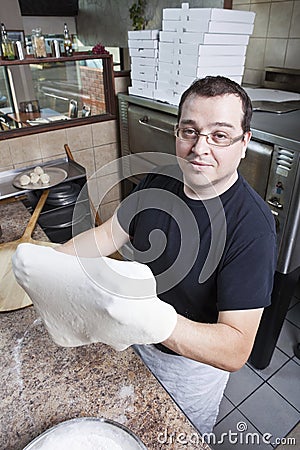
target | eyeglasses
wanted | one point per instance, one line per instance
(217, 138)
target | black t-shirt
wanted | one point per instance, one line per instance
(206, 256)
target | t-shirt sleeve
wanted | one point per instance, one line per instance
(127, 209)
(246, 278)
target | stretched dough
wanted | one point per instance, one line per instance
(86, 300)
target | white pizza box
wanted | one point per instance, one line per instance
(147, 85)
(140, 61)
(168, 67)
(219, 14)
(168, 52)
(144, 52)
(212, 61)
(148, 93)
(210, 50)
(163, 95)
(143, 34)
(169, 36)
(204, 26)
(167, 77)
(176, 13)
(230, 27)
(172, 25)
(137, 69)
(145, 73)
(224, 71)
(195, 71)
(211, 27)
(142, 43)
(225, 39)
(186, 37)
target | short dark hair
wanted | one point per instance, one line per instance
(214, 86)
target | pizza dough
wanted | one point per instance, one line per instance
(86, 300)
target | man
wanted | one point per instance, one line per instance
(218, 314)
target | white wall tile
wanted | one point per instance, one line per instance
(255, 53)
(261, 22)
(25, 149)
(104, 132)
(52, 142)
(292, 60)
(79, 138)
(295, 27)
(5, 155)
(280, 19)
(275, 52)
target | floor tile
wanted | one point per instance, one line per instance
(225, 408)
(293, 315)
(287, 382)
(235, 432)
(278, 360)
(241, 384)
(292, 440)
(294, 301)
(269, 412)
(289, 336)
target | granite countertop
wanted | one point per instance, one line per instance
(43, 384)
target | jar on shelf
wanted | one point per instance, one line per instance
(38, 43)
(7, 46)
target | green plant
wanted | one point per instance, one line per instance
(137, 15)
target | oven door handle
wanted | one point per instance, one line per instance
(145, 121)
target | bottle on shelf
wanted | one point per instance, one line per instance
(7, 46)
(38, 43)
(67, 41)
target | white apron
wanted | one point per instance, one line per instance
(196, 387)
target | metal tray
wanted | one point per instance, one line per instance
(56, 174)
(118, 433)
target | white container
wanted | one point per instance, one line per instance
(148, 93)
(220, 14)
(145, 74)
(143, 52)
(224, 71)
(220, 61)
(143, 43)
(138, 84)
(210, 50)
(143, 34)
(225, 39)
(230, 27)
(140, 61)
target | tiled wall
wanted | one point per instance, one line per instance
(276, 37)
(93, 146)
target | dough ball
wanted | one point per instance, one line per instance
(44, 177)
(38, 170)
(24, 180)
(34, 177)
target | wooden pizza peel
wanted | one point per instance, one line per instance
(12, 296)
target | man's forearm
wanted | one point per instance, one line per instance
(220, 345)
(101, 241)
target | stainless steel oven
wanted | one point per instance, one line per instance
(271, 167)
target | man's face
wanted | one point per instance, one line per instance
(210, 170)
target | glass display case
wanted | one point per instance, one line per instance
(55, 92)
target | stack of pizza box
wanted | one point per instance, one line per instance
(194, 43)
(143, 51)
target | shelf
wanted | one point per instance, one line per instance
(50, 59)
